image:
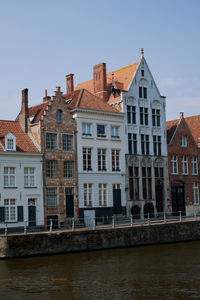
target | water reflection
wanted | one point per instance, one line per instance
(153, 272)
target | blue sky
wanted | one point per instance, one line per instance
(43, 40)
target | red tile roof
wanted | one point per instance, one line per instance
(84, 99)
(37, 111)
(23, 141)
(171, 127)
(121, 78)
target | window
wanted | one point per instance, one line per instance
(115, 160)
(143, 116)
(9, 177)
(59, 116)
(194, 165)
(10, 210)
(142, 92)
(133, 183)
(196, 193)
(145, 144)
(51, 197)
(146, 183)
(68, 169)
(159, 172)
(29, 177)
(131, 114)
(183, 141)
(132, 143)
(87, 159)
(184, 165)
(67, 142)
(101, 131)
(115, 132)
(157, 145)
(87, 187)
(51, 141)
(142, 73)
(51, 168)
(86, 129)
(102, 194)
(174, 164)
(101, 159)
(10, 144)
(156, 117)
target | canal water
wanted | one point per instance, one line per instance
(152, 272)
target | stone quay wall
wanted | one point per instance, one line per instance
(86, 240)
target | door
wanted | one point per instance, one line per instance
(89, 218)
(159, 197)
(31, 215)
(117, 206)
(69, 206)
(178, 198)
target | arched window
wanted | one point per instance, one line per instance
(59, 116)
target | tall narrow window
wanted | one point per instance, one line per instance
(145, 144)
(115, 132)
(194, 165)
(142, 92)
(131, 114)
(146, 183)
(196, 193)
(143, 115)
(133, 183)
(86, 129)
(101, 159)
(184, 165)
(115, 160)
(29, 177)
(67, 142)
(156, 117)
(51, 141)
(157, 145)
(183, 141)
(87, 187)
(10, 210)
(51, 168)
(9, 176)
(174, 164)
(51, 197)
(59, 116)
(87, 159)
(102, 194)
(132, 143)
(68, 169)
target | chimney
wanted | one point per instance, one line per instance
(69, 83)
(23, 116)
(46, 97)
(181, 115)
(99, 80)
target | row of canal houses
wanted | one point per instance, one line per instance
(98, 150)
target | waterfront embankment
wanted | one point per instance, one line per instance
(20, 245)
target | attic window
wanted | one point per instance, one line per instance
(68, 101)
(10, 142)
(59, 116)
(142, 73)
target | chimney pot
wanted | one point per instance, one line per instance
(69, 83)
(100, 81)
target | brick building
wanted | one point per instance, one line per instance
(51, 126)
(183, 136)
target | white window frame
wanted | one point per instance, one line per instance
(88, 194)
(11, 176)
(184, 162)
(10, 210)
(174, 164)
(67, 142)
(194, 164)
(195, 188)
(29, 177)
(101, 159)
(183, 141)
(68, 169)
(102, 192)
(53, 200)
(114, 132)
(49, 140)
(10, 139)
(86, 129)
(87, 151)
(115, 159)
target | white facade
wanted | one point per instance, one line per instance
(107, 149)
(21, 186)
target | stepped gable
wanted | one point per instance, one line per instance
(121, 78)
(23, 141)
(84, 99)
(37, 111)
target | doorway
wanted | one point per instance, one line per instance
(178, 198)
(31, 212)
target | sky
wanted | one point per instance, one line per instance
(43, 40)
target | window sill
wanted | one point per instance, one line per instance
(11, 222)
(115, 139)
(196, 204)
(87, 137)
(10, 187)
(30, 187)
(102, 138)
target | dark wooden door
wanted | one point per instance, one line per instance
(69, 206)
(117, 206)
(159, 197)
(31, 215)
(178, 198)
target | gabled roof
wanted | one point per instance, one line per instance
(37, 111)
(84, 99)
(23, 141)
(193, 124)
(121, 78)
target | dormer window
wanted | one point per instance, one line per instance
(10, 142)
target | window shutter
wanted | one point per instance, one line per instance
(20, 213)
(2, 214)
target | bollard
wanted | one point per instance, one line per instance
(51, 225)
(25, 227)
(164, 217)
(180, 216)
(6, 229)
(113, 221)
(148, 219)
(131, 220)
(72, 224)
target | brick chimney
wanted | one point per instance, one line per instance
(23, 116)
(99, 80)
(69, 83)
(181, 115)
(46, 97)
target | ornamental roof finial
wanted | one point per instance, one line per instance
(142, 51)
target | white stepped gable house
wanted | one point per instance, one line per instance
(21, 189)
(133, 91)
(101, 155)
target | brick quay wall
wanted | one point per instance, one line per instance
(73, 241)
